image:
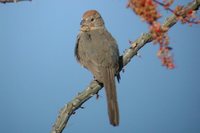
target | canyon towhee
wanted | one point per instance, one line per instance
(97, 51)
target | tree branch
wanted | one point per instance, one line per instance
(94, 86)
(12, 1)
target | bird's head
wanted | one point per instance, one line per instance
(91, 20)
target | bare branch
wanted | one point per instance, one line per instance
(12, 1)
(94, 86)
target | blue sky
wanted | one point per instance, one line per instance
(39, 73)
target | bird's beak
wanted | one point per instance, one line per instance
(84, 26)
(82, 22)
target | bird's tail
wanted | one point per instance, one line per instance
(110, 87)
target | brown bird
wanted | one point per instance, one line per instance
(97, 51)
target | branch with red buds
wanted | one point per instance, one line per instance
(147, 10)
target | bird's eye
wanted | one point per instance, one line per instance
(92, 19)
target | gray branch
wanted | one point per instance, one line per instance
(93, 88)
(12, 1)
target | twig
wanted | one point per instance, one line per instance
(12, 1)
(94, 86)
(163, 5)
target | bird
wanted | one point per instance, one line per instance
(97, 51)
